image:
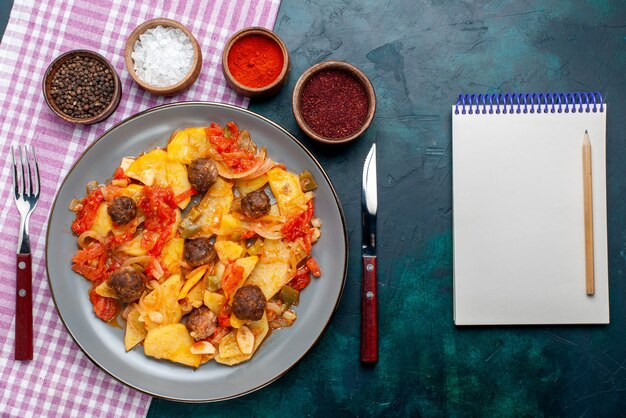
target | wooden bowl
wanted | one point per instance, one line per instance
(325, 66)
(54, 67)
(261, 92)
(174, 89)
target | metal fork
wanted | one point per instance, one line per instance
(27, 186)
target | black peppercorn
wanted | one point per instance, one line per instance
(82, 87)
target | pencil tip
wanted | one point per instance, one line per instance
(586, 131)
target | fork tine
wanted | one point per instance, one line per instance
(36, 171)
(31, 189)
(16, 183)
(24, 164)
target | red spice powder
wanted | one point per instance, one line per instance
(255, 61)
(334, 104)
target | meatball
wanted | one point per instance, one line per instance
(199, 251)
(202, 173)
(201, 323)
(128, 283)
(249, 303)
(122, 210)
(256, 204)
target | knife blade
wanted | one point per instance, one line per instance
(369, 299)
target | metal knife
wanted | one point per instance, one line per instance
(369, 316)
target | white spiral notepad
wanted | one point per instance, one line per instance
(519, 238)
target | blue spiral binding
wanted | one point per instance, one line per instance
(578, 102)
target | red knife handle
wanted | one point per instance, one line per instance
(24, 309)
(369, 312)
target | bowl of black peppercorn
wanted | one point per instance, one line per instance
(81, 86)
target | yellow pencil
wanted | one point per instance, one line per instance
(588, 198)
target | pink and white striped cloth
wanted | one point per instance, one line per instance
(61, 381)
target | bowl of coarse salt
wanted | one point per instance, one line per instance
(163, 57)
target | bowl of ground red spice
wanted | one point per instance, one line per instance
(256, 62)
(81, 86)
(334, 102)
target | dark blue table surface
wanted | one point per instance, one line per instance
(420, 55)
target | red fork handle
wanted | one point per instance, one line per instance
(369, 315)
(24, 309)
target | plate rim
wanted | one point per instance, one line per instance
(53, 208)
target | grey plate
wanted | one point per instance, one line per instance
(104, 344)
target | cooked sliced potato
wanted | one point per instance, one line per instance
(156, 169)
(192, 278)
(171, 255)
(102, 223)
(248, 264)
(149, 168)
(188, 144)
(274, 211)
(134, 191)
(126, 162)
(228, 346)
(270, 277)
(195, 297)
(286, 189)
(165, 302)
(203, 219)
(176, 178)
(105, 290)
(171, 342)
(135, 330)
(228, 250)
(273, 271)
(231, 354)
(230, 226)
(133, 247)
(130, 227)
(214, 301)
(247, 186)
(236, 322)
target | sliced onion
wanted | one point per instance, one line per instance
(142, 260)
(273, 219)
(227, 173)
(153, 284)
(119, 183)
(127, 310)
(105, 192)
(185, 306)
(185, 265)
(274, 307)
(157, 271)
(221, 334)
(214, 155)
(91, 186)
(279, 323)
(265, 232)
(268, 164)
(289, 315)
(202, 347)
(82, 238)
(156, 317)
(76, 205)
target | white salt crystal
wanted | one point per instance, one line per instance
(163, 56)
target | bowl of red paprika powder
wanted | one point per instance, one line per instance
(256, 62)
(334, 102)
